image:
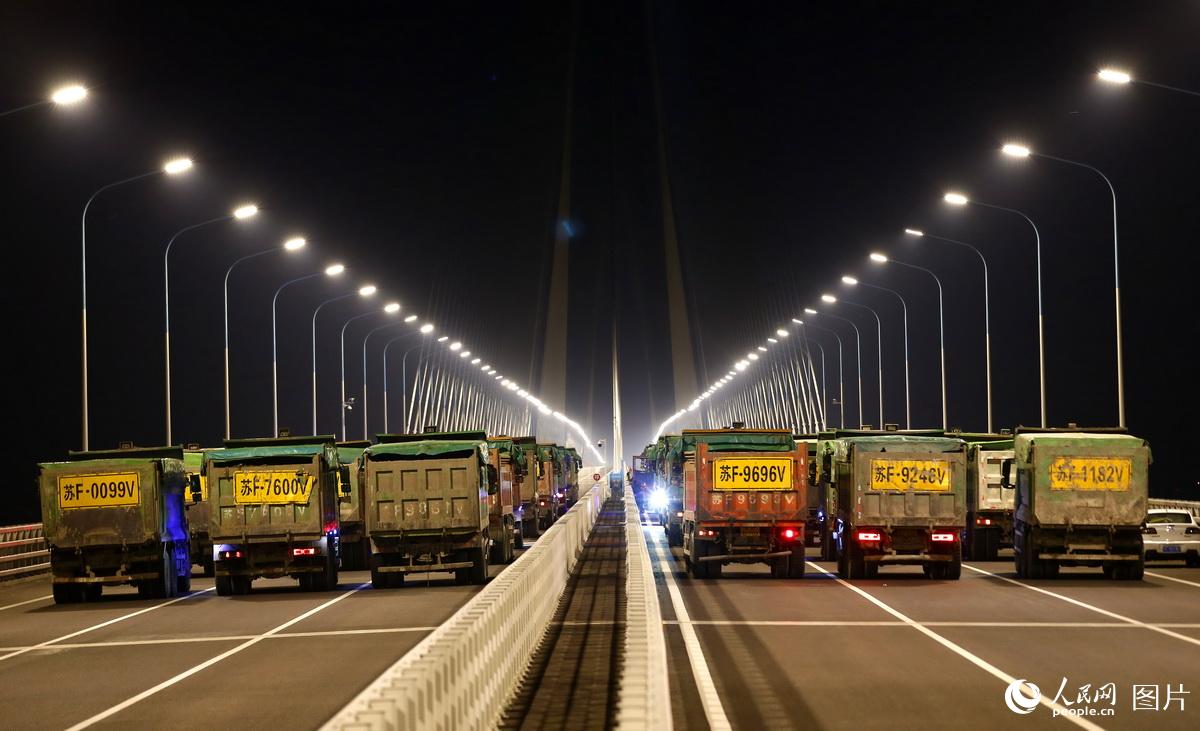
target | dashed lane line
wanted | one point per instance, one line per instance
(710, 700)
(1092, 607)
(960, 651)
(228, 638)
(27, 601)
(1148, 573)
(210, 662)
(94, 627)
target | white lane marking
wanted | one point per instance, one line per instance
(210, 662)
(1148, 573)
(959, 650)
(27, 601)
(710, 700)
(231, 638)
(885, 623)
(85, 630)
(1091, 607)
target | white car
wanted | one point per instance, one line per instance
(1170, 534)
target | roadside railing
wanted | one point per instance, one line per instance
(643, 698)
(23, 551)
(462, 675)
(1191, 506)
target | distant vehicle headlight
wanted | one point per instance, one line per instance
(658, 500)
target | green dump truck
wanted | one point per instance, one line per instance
(744, 500)
(895, 498)
(199, 513)
(529, 501)
(504, 523)
(116, 517)
(549, 483)
(1080, 501)
(571, 462)
(275, 511)
(352, 543)
(989, 505)
(670, 481)
(425, 498)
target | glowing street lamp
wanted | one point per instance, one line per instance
(854, 282)
(1121, 78)
(171, 168)
(238, 214)
(296, 243)
(858, 360)
(65, 96)
(390, 308)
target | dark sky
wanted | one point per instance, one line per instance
(422, 148)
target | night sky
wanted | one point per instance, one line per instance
(421, 147)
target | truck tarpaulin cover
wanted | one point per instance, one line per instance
(739, 441)
(895, 443)
(515, 454)
(244, 454)
(429, 448)
(1024, 443)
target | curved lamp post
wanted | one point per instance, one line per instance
(332, 270)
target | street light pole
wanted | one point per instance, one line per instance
(343, 356)
(330, 271)
(1022, 151)
(878, 351)
(841, 370)
(385, 377)
(390, 309)
(941, 323)
(960, 200)
(364, 291)
(858, 359)
(167, 298)
(83, 310)
(904, 312)
(987, 318)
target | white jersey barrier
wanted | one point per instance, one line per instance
(643, 699)
(463, 674)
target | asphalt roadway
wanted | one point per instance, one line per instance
(903, 652)
(276, 658)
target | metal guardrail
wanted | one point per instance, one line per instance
(1191, 506)
(23, 550)
(462, 675)
(643, 699)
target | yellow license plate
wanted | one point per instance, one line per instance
(750, 473)
(111, 490)
(910, 474)
(271, 487)
(1091, 473)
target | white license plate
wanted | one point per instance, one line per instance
(1170, 549)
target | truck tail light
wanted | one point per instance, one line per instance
(304, 551)
(942, 537)
(983, 521)
(231, 554)
(868, 536)
(789, 534)
(707, 533)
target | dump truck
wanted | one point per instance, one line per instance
(426, 503)
(114, 517)
(528, 502)
(896, 497)
(989, 505)
(352, 543)
(549, 483)
(814, 524)
(643, 483)
(744, 498)
(571, 463)
(670, 481)
(504, 522)
(199, 513)
(275, 511)
(1080, 501)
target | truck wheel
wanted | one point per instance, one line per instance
(164, 586)
(796, 563)
(241, 584)
(209, 568)
(92, 592)
(780, 567)
(1192, 561)
(1133, 570)
(675, 535)
(855, 566)
(993, 545)
(870, 569)
(519, 535)
(698, 568)
(183, 569)
(530, 523)
(953, 571)
(1109, 570)
(66, 594)
(479, 571)
(224, 585)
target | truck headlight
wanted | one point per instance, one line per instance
(658, 500)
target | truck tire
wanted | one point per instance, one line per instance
(162, 587)
(502, 549)
(855, 565)
(67, 593)
(479, 571)
(870, 569)
(241, 584)
(183, 570)
(796, 563)
(780, 567)
(519, 535)
(327, 580)
(224, 585)
(530, 524)
(698, 568)
(208, 566)
(675, 535)
(992, 553)
(953, 571)
(92, 592)
(1131, 570)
